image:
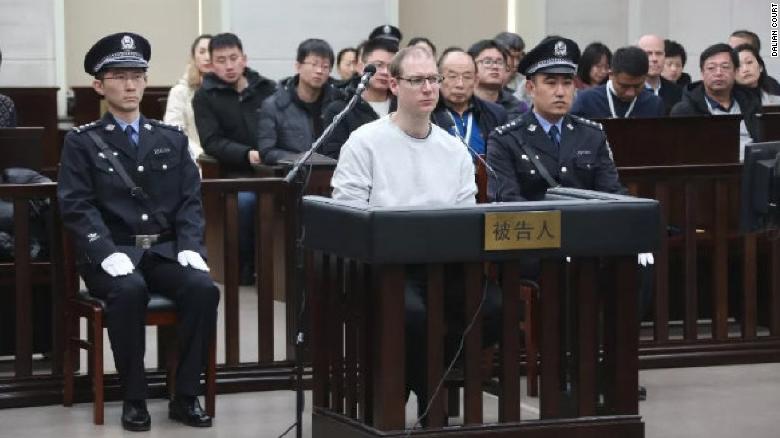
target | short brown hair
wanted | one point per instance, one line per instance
(395, 65)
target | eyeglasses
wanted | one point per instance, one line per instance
(124, 77)
(490, 62)
(418, 81)
(465, 77)
(711, 68)
(318, 66)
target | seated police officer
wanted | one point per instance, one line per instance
(129, 193)
(547, 146)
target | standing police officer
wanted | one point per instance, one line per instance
(130, 196)
(547, 145)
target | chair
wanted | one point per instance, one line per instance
(161, 312)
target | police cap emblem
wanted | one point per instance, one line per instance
(560, 49)
(128, 43)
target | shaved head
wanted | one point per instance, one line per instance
(653, 45)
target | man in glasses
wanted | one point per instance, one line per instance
(375, 102)
(492, 60)
(717, 94)
(129, 193)
(403, 160)
(291, 119)
(464, 115)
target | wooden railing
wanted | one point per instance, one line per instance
(717, 292)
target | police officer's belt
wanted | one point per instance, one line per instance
(144, 241)
(136, 191)
(540, 167)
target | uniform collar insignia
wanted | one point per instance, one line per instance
(148, 126)
(571, 128)
(110, 127)
(532, 128)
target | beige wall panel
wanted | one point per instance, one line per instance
(452, 22)
(169, 25)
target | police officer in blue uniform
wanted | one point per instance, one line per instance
(129, 194)
(548, 146)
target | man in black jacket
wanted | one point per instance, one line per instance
(668, 91)
(375, 102)
(459, 112)
(717, 94)
(291, 119)
(225, 109)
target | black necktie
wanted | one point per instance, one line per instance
(129, 131)
(555, 136)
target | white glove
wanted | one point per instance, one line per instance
(645, 258)
(193, 259)
(117, 264)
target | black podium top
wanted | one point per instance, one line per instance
(591, 224)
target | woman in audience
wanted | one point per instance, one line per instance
(7, 108)
(179, 108)
(345, 62)
(593, 68)
(752, 74)
(674, 63)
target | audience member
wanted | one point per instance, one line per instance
(423, 42)
(178, 109)
(345, 62)
(514, 82)
(291, 119)
(752, 75)
(593, 68)
(624, 95)
(716, 93)
(739, 37)
(492, 61)
(375, 102)
(674, 63)
(226, 116)
(7, 108)
(668, 91)
(460, 112)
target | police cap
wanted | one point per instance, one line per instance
(387, 32)
(552, 55)
(119, 50)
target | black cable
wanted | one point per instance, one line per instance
(288, 430)
(452, 362)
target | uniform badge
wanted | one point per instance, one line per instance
(92, 237)
(148, 126)
(532, 128)
(560, 49)
(128, 43)
(386, 29)
(571, 128)
(110, 127)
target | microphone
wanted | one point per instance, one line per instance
(368, 71)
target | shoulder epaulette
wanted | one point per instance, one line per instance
(509, 126)
(587, 122)
(87, 126)
(162, 124)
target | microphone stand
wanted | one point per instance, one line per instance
(299, 262)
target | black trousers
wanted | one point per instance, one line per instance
(126, 299)
(415, 302)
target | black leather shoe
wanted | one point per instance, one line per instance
(186, 409)
(135, 417)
